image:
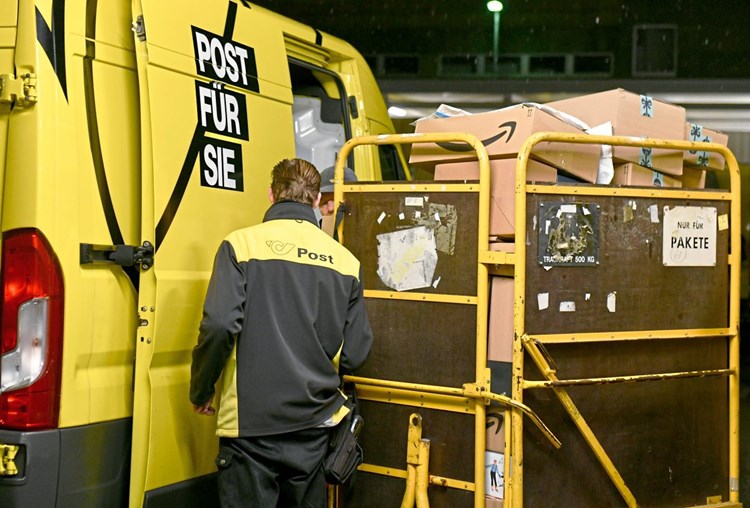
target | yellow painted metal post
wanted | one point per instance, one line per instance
(519, 309)
(423, 474)
(482, 373)
(734, 323)
(413, 457)
(508, 489)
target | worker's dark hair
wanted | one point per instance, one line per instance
(295, 180)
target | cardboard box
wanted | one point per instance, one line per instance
(633, 115)
(494, 484)
(500, 331)
(634, 174)
(327, 224)
(495, 436)
(503, 132)
(712, 160)
(502, 246)
(492, 502)
(694, 178)
(502, 187)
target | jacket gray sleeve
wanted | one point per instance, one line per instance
(222, 321)
(357, 333)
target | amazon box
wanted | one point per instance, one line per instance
(503, 132)
(636, 175)
(703, 159)
(502, 187)
(633, 115)
(495, 434)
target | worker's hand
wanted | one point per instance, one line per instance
(206, 409)
(326, 208)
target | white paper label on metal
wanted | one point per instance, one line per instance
(689, 236)
(568, 306)
(542, 300)
(414, 201)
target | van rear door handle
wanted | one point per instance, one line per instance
(122, 255)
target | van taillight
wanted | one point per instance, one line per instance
(31, 323)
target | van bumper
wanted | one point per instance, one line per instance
(38, 463)
(79, 466)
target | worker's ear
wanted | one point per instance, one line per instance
(316, 203)
(270, 195)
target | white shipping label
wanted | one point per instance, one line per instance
(414, 201)
(568, 306)
(653, 211)
(568, 208)
(612, 301)
(689, 236)
(542, 300)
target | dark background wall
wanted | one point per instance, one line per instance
(712, 37)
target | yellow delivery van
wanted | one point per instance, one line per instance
(133, 137)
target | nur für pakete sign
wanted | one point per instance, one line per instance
(689, 236)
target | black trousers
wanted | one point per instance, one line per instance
(283, 470)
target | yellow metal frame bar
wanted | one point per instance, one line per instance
(420, 297)
(470, 391)
(390, 187)
(415, 398)
(438, 481)
(519, 260)
(628, 192)
(626, 379)
(635, 335)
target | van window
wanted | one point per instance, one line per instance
(321, 120)
(390, 165)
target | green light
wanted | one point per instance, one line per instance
(494, 6)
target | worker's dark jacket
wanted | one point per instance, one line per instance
(283, 299)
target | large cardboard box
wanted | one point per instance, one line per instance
(502, 187)
(635, 174)
(500, 333)
(633, 115)
(503, 132)
(703, 159)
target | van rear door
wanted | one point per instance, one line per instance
(216, 115)
(8, 34)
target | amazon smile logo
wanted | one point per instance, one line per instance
(507, 128)
(280, 248)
